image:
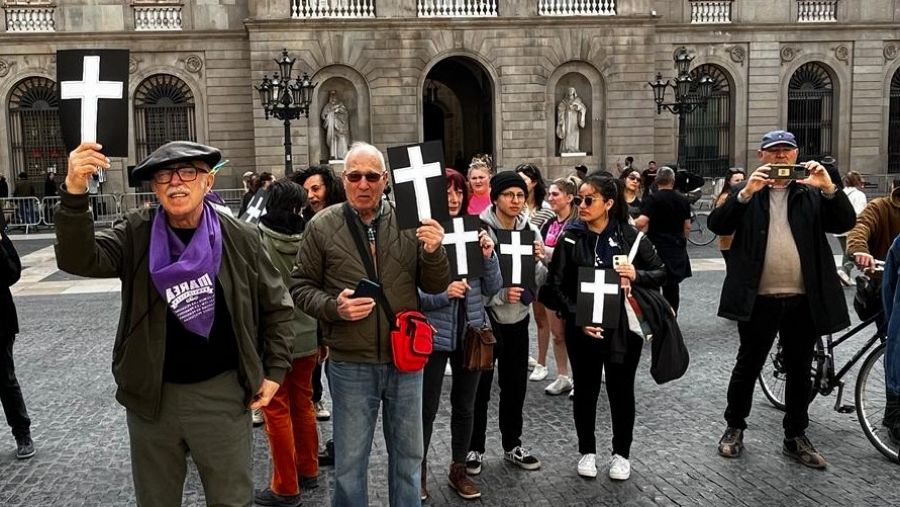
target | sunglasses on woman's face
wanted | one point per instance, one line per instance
(356, 177)
(587, 200)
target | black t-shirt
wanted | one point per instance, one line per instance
(667, 211)
(191, 358)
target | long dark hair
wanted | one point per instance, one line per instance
(456, 180)
(286, 200)
(534, 174)
(610, 188)
(334, 189)
(726, 187)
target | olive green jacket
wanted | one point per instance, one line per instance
(329, 262)
(257, 300)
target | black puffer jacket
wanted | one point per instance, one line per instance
(811, 216)
(10, 270)
(575, 249)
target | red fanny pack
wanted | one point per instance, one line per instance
(412, 340)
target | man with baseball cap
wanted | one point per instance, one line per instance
(782, 282)
(204, 332)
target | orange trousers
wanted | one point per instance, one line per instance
(291, 428)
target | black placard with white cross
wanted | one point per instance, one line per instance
(463, 247)
(257, 207)
(599, 298)
(516, 250)
(420, 187)
(93, 98)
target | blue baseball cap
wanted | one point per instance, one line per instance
(778, 138)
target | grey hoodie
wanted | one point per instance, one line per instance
(502, 310)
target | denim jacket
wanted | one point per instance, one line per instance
(890, 298)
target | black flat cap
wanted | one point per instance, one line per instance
(172, 153)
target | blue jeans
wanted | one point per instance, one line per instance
(357, 392)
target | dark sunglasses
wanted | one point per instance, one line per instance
(370, 177)
(588, 201)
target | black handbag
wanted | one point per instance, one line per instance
(867, 301)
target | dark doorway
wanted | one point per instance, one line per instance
(457, 109)
(811, 110)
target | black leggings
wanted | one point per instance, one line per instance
(589, 358)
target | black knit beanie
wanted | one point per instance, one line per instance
(504, 180)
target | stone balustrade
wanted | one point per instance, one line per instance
(332, 9)
(711, 11)
(457, 8)
(577, 7)
(30, 19)
(817, 11)
(157, 18)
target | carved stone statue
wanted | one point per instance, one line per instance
(570, 113)
(336, 122)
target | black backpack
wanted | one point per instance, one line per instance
(867, 301)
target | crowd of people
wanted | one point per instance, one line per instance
(219, 318)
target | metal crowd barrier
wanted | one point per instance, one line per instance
(21, 212)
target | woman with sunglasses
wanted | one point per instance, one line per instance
(561, 196)
(734, 177)
(480, 172)
(602, 232)
(461, 306)
(632, 180)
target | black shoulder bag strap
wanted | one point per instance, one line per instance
(367, 262)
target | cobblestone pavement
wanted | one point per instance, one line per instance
(63, 356)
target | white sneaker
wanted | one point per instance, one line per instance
(587, 465)
(539, 373)
(258, 417)
(561, 385)
(845, 278)
(619, 468)
(532, 362)
(448, 371)
(572, 393)
(322, 413)
(474, 460)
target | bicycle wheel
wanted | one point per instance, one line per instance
(871, 403)
(773, 377)
(700, 234)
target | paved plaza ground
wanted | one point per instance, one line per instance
(63, 361)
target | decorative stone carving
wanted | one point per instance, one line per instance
(570, 114)
(193, 64)
(133, 64)
(336, 122)
(842, 53)
(738, 54)
(788, 53)
(890, 51)
(5, 67)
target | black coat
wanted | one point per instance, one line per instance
(575, 249)
(10, 270)
(811, 216)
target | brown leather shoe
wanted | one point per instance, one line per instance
(459, 481)
(424, 490)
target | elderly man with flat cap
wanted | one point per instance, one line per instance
(204, 331)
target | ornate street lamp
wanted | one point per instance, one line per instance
(286, 100)
(690, 93)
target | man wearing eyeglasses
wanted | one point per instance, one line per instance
(204, 332)
(361, 371)
(782, 282)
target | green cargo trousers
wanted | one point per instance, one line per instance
(208, 420)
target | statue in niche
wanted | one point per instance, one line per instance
(570, 113)
(336, 122)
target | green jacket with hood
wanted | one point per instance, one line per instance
(257, 300)
(282, 249)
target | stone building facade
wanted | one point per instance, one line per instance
(483, 75)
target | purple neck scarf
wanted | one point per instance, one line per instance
(185, 275)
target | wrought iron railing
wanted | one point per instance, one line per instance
(332, 9)
(711, 11)
(894, 128)
(456, 8)
(810, 119)
(157, 18)
(577, 7)
(817, 11)
(30, 19)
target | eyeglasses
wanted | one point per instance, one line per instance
(185, 173)
(588, 200)
(513, 196)
(356, 177)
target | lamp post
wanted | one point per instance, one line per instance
(286, 99)
(690, 93)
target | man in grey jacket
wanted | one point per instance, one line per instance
(508, 311)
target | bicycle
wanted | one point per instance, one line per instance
(700, 234)
(869, 403)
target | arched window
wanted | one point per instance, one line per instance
(708, 130)
(35, 137)
(811, 110)
(894, 125)
(163, 112)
